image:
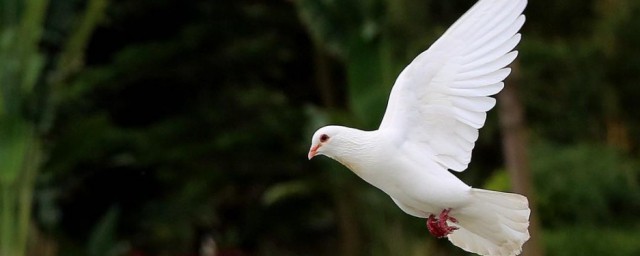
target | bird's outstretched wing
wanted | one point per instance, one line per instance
(440, 100)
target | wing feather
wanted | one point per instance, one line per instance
(498, 34)
(476, 104)
(490, 65)
(471, 118)
(486, 78)
(478, 91)
(490, 53)
(440, 100)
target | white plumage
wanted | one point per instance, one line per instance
(436, 107)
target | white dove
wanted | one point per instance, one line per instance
(436, 107)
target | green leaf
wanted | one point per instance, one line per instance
(367, 92)
(284, 190)
(32, 72)
(102, 240)
(499, 181)
(15, 136)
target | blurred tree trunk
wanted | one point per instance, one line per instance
(515, 147)
(611, 15)
(21, 70)
(323, 77)
(348, 225)
(350, 244)
(41, 244)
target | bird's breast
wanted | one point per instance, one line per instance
(418, 182)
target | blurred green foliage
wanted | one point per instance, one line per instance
(592, 240)
(589, 199)
(180, 121)
(585, 184)
(27, 105)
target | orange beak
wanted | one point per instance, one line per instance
(313, 151)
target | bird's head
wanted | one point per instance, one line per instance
(330, 141)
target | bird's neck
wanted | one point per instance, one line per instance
(357, 146)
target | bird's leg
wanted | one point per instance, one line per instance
(432, 225)
(438, 226)
(444, 216)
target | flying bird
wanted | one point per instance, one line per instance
(436, 106)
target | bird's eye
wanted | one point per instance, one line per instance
(324, 137)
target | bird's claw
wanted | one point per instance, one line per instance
(438, 226)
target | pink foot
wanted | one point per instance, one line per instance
(438, 226)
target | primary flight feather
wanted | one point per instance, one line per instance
(435, 109)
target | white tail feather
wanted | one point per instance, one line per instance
(496, 223)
